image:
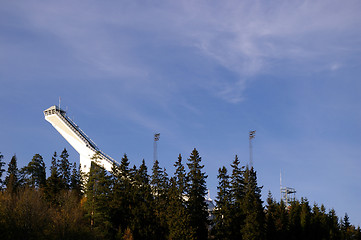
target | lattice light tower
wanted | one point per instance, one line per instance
(77, 139)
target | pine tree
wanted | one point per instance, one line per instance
(318, 223)
(76, 181)
(305, 219)
(143, 217)
(64, 169)
(196, 204)
(34, 175)
(253, 227)
(333, 225)
(270, 218)
(159, 183)
(223, 214)
(178, 218)
(12, 178)
(345, 222)
(323, 223)
(294, 220)
(121, 198)
(237, 181)
(281, 221)
(237, 196)
(346, 230)
(98, 195)
(53, 182)
(180, 175)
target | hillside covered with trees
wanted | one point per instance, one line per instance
(136, 203)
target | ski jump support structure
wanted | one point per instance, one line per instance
(77, 139)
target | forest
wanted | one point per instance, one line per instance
(133, 202)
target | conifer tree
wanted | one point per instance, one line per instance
(346, 230)
(223, 214)
(196, 204)
(155, 181)
(180, 175)
(294, 220)
(237, 181)
(121, 199)
(12, 178)
(98, 194)
(305, 218)
(276, 220)
(178, 218)
(143, 222)
(53, 182)
(159, 181)
(76, 181)
(64, 169)
(345, 222)
(281, 222)
(323, 222)
(270, 218)
(333, 225)
(253, 227)
(159, 184)
(318, 223)
(237, 196)
(115, 201)
(34, 175)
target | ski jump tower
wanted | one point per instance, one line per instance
(77, 139)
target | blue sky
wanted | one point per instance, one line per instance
(203, 74)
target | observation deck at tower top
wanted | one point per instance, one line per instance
(77, 138)
(56, 109)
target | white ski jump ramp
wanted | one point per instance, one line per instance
(77, 139)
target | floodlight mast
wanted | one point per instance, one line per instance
(155, 153)
(252, 134)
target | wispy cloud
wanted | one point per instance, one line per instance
(335, 66)
(247, 38)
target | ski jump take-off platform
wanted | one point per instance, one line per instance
(77, 139)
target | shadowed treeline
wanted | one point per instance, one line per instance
(131, 204)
